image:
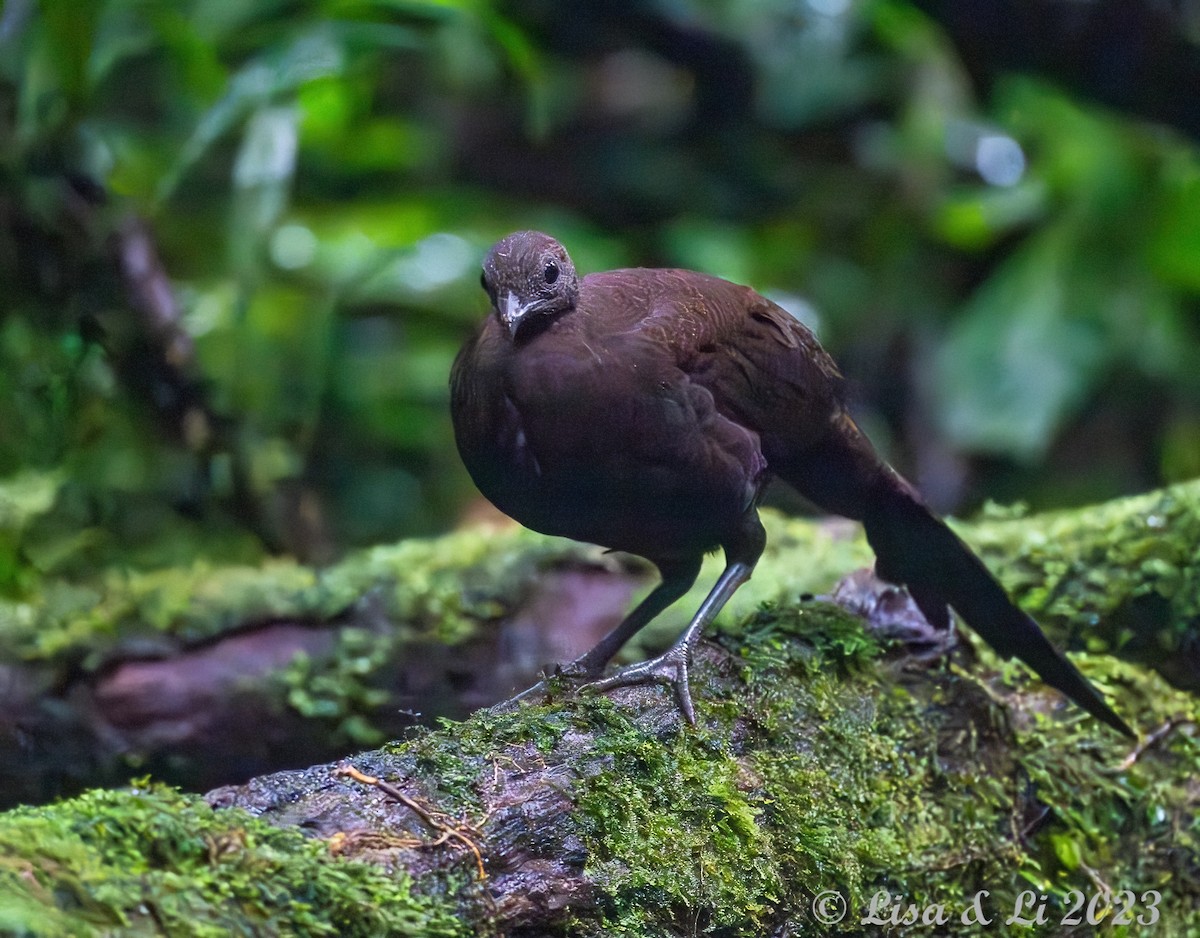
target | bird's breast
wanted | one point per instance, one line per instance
(605, 441)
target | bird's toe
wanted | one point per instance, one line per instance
(669, 669)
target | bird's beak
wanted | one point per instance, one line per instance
(512, 312)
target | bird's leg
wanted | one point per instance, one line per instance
(677, 579)
(671, 667)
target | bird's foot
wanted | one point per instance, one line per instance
(669, 668)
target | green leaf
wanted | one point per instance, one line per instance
(317, 53)
(1022, 357)
(25, 496)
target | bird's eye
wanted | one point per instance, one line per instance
(550, 274)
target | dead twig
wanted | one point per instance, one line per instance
(1150, 742)
(438, 822)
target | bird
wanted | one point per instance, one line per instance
(645, 410)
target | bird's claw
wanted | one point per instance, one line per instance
(669, 668)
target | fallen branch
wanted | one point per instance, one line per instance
(827, 772)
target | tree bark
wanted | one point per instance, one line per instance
(829, 774)
(209, 675)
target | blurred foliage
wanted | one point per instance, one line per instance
(239, 246)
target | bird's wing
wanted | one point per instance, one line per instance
(764, 368)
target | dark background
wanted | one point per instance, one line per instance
(239, 241)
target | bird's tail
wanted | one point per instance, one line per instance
(915, 548)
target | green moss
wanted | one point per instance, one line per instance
(819, 762)
(152, 861)
(1132, 819)
(693, 829)
(827, 774)
(811, 636)
(456, 758)
(1121, 576)
(438, 589)
(671, 830)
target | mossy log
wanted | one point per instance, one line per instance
(207, 674)
(824, 764)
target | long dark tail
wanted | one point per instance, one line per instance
(915, 548)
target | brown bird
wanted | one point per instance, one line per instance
(645, 411)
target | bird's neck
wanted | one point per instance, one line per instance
(535, 326)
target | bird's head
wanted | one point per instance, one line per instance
(528, 275)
